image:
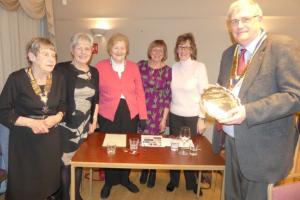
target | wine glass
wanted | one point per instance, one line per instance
(184, 135)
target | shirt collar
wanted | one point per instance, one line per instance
(252, 45)
(118, 67)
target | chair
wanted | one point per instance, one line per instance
(2, 175)
(2, 171)
(289, 187)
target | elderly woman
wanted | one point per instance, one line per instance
(189, 78)
(82, 105)
(31, 105)
(156, 77)
(122, 103)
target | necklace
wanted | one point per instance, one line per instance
(234, 78)
(83, 73)
(38, 91)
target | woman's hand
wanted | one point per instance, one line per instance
(92, 127)
(38, 126)
(201, 126)
(163, 125)
(52, 120)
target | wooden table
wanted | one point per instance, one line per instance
(91, 154)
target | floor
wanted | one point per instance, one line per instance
(157, 193)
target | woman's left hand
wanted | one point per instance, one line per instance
(52, 120)
(162, 125)
(201, 126)
(92, 127)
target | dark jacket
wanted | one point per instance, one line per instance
(67, 69)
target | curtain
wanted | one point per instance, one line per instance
(20, 20)
(36, 9)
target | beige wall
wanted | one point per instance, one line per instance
(145, 20)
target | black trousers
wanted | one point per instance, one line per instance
(122, 124)
(175, 123)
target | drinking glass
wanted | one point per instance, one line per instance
(133, 145)
(111, 149)
(174, 145)
(193, 150)
(184, 135)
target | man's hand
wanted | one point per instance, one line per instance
(236, 116)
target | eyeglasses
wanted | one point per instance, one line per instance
(244, 20)
(183, 48)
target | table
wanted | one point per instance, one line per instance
(91, 154)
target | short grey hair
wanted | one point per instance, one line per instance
(239, 4)
(35, 44)
(81, 36)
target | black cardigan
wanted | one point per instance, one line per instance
(67, 69)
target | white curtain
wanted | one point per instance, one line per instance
(16, 30)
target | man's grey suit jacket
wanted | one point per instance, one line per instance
(270, 91)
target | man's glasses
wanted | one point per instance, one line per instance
(244, 20)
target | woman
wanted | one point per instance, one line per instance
(32, 103)
(122, 103)
(82, 110)
(189, 78)
(156, 78)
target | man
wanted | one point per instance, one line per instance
(261, 133)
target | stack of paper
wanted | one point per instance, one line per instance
(118, 139)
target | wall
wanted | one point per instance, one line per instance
(143, 21)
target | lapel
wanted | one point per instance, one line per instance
(226, 67)
(253, 69)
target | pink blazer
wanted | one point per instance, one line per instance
(111, 87)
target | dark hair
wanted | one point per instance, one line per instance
(158, 43)
(182, 39)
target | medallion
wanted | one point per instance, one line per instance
(45, 109)
(217, 101)
(44, 98)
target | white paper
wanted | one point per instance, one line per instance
(166, 142)
(151, 140)
(118, 139)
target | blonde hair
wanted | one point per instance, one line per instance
(158, 43)
(118, 37)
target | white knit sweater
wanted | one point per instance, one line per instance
(189, 78)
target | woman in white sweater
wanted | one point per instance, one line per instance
(189, 78)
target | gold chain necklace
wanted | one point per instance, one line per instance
(37, 89)
(234, 78)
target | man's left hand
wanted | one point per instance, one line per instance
(236, 116)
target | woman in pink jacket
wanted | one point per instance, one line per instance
(121, 103)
